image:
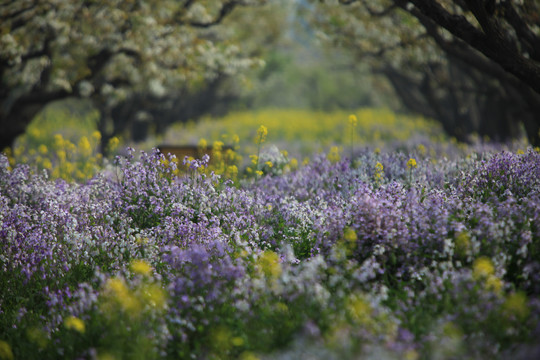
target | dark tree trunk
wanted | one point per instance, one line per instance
(16, 115)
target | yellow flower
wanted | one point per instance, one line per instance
(411, 355)
(96, 135)
(203, 143)
(247, 355)
(140, 267)
(421, 149)
(411, 163)
(259, 172)
(47, 164)
(254, 159)
(516, 306)
(293, 164)
(154, 296)
(463, 243)
(43, 149)
(113, 143)
(483, 268)
(494, 284)
(269, 164)
(61, 155)
(218, 145)
(237, 341)
(353, 120)
(269, 264)
(350, 235)
(74, 323)
(333, 154)
(58, 141)
(359, 309)
(261, 135)
(123, 296)
(5, 351)
(520, 152)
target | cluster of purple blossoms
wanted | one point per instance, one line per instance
(363, 258)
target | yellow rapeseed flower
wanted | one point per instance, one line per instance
(333, 154)
(58, 141)
(237, 341)
(203, 144)
(74, 323)
(359, 309)
(411, 355)
(232, 171)
(269, 264)
(122, 295)
(96, 135)
(421, 149)
(43, 149)
(494, 284)
(61, 155)
(5, 351)
(463, 243)
(483, 268)
(113, 143)
(411, 164)
(218, 145)
(262, 132)
(37, 336)
(293, 163)
(140, 267)
(269, 164)
(248, 355)
(154, 296)
(353, 120)
(516, 306)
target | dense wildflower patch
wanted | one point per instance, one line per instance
(388, 255)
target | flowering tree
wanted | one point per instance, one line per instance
(106, 50)
(471, 64)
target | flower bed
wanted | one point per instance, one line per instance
(393, 256)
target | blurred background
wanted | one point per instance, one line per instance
(94, 77)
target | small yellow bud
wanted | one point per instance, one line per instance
(261, 135)
(353, 120)
(482, 268)
(411, 164)
(140, 267)
(74, 323)
(5, 351)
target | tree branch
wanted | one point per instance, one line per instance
(225, 10)
(494, 47)
(526, 36)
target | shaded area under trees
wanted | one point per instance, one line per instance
(472, 65)
(109, 51)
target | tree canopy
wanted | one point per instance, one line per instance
(472, 64)
(106, 50)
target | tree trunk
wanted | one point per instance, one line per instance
(15, 122)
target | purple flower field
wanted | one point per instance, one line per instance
(384, 258)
